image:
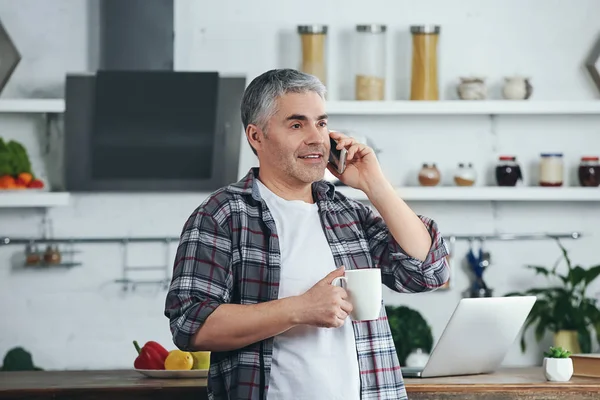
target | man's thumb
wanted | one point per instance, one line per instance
(334, 274)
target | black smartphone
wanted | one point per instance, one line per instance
(337, 157)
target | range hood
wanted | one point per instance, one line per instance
(135, 35)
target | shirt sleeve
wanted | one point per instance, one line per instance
(202, 278)
(400, 271)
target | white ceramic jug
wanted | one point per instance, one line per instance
(517, 88)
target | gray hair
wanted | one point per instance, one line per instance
(260, 97)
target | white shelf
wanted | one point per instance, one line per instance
(462, 107)
(32, 106)
(32, 198)
(487, 193)
(25, 199)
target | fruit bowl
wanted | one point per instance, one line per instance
(154, 361)
(173, 374)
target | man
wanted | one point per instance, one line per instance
(253, 271)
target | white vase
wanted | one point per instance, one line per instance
(558, 369)
(472, 88)
(517, 88)
(418, 358)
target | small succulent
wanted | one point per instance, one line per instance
(557, 352)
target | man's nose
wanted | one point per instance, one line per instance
(314, 136)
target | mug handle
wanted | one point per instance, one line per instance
(338, 279)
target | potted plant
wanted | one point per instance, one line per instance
(558, 365)
(410, 332)
(563, 306)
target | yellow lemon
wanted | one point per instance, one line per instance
(201, 359)
(179, 360)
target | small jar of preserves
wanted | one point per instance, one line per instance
(508, 171)
(465, 175)
(52, 255)
(32, 256)
(551, 169)
(589, 171)
(429, 175)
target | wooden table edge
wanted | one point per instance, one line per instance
(506, 387)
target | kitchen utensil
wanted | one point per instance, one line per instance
(479, 261)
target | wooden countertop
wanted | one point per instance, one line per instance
(507, 383)
(118, 384)
(511, 383)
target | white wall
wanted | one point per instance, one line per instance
(60, 315)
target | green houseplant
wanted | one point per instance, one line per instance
(557, 352)
(563, 307)
(557, 365)
(19, 359)
(410, 331)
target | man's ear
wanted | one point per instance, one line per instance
(255, 136)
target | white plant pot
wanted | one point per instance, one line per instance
(558, 369)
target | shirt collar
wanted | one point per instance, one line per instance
(322, 190)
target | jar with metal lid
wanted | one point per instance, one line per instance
(429, 175)
(465, 175)
(589, 171)
(370, 62)
(424, 70)
(551, 169)
(508, 171)
(314, 51)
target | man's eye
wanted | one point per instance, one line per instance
(296, 126)
(323, 123)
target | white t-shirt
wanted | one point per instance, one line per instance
(308, 362)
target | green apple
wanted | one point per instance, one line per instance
(201, 359)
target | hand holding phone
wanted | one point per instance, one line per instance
(337, 157)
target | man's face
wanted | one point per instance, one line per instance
(297, 141)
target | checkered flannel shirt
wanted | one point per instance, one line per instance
(229, 253)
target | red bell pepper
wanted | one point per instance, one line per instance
(151, 356)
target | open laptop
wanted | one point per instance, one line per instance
(477, 337)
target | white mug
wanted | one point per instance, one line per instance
(364, 292)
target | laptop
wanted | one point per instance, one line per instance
(478, 336)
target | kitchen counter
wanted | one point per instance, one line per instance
(507, 383)
(511, 383)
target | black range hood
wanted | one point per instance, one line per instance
(136, 34)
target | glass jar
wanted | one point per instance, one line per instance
(429, 175)
(551, 169)
(32, 256)
(508, 171)
(424, 79)
(589, 172)
(52, 255)
(465, 175)
(313, 39)
(370, 62)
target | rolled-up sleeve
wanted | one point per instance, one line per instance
(202, 278)
(400, 271)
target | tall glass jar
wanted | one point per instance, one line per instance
(370, 62)
(314, 52)
(424, 70)
(551, 169)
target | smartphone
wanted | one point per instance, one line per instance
(337, 157)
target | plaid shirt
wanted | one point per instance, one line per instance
(229, 253)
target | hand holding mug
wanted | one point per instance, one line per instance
(325, 305)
